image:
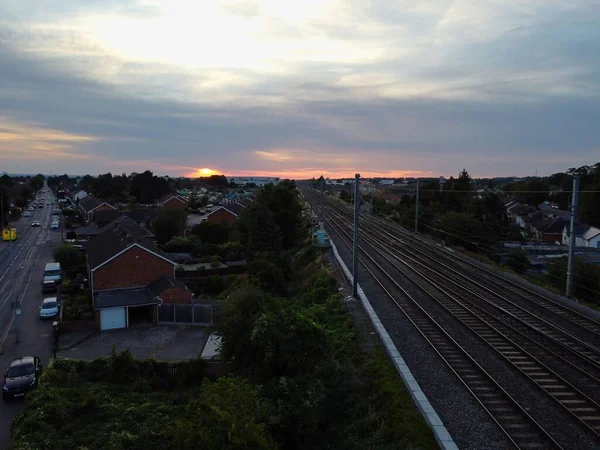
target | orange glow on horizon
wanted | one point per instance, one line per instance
(203, 172)
(310, 173)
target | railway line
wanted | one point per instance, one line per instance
(562, 365)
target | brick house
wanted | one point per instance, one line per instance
(89, 205)
(225, 214)
(173, 201)
(130, 276)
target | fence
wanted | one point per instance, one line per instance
(186, 314)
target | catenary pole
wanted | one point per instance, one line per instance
(572, 240)
(355, 243)
(417, 208)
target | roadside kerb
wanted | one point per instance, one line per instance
(440, 432)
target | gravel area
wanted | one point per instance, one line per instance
(470, 426)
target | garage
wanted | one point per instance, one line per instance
(112, 318)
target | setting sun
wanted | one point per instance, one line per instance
(205, 172)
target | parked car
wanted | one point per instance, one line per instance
(31, 208)
(49, 308)
(26, 214)
(35, 223)
(22, 375)
(49, 286)
(54, 226)
(41, 205)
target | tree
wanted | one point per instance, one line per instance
(37, 182)
(346, 196)
(229, 415)
(258, 231)
(25, 194)
(147, 188)
(269, 273)
(211, 233)
(169, 223)
(68, 256)
(283, 201)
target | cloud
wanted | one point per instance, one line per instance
(314, 87)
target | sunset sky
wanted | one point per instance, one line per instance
(299, 88)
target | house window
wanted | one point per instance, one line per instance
(598, 244)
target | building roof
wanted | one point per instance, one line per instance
(88, 231)
(236, 208)
(246, 201)
(165, 282)
(117, 236)
(579, 229)
(106, 216)
(137, 215)
(591, 233)
(161, 201)
(549, 225)
(90, 203)
(124, 297)
(80, 195)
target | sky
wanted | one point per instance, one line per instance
(299, 88)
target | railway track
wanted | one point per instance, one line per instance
(585, 327)
(520, 428)
(525, 346)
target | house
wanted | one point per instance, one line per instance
(226, 213)
(80, 196)
(172, 201)
(592, 237)
(245, 201)
(579, 232)
(89, 205)
(130, 276)
(144, 217)
(522, 214)
(548, 229)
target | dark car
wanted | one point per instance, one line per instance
(22, 375)
(49, 286)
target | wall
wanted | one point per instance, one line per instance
(222, 215)
(176, 295)
(136, 267)
(174, 204)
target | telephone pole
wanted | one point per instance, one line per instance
(355, 243)
(572, 240)
(417, 208)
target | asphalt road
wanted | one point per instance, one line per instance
(31, 251)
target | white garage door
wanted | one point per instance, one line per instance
(112, 318)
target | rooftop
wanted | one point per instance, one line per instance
(116, 237)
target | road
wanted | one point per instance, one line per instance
(31, 251)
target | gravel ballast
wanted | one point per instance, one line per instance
(467, 422)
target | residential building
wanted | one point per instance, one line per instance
(89, 205)
(592, 237)
(226, 213)
(80, 196)
(579, 232)
(144, 217)
(548, 229)
(130, 276)
(173, 201)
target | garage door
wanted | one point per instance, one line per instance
(112, 318)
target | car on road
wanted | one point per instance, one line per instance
(41, 205)
(49, 286)
(31, 208)
(35, 223)
(22, 375)
(54, 226)
(49, 308)
(26, 214)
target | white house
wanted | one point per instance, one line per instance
(579, 232)
(585, 236)
(592, 237)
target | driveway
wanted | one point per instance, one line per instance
(165, 342)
